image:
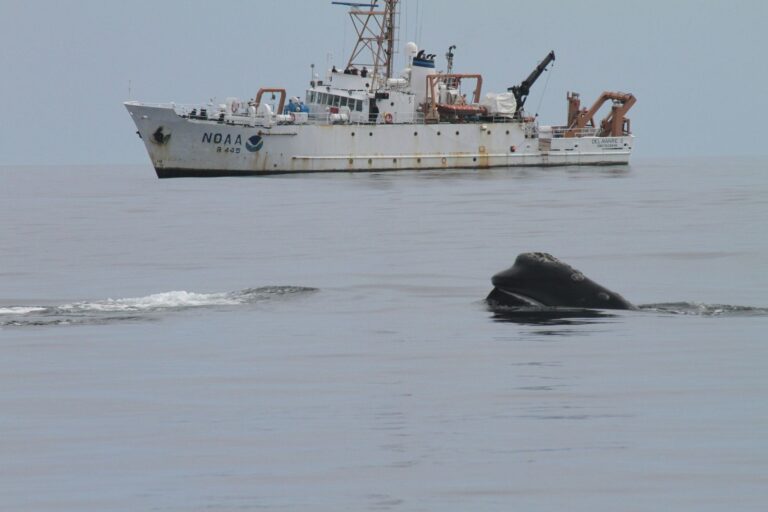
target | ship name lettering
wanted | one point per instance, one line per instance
(605, 140)
(218, 138)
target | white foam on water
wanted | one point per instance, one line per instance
(20, 310)
(116, 309)
(701, 309)
(165, 300)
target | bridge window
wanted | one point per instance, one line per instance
(343, 102)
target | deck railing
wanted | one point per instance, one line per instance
(214, 112)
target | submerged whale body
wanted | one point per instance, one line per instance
(540, 280)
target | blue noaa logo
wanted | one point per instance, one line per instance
(254, 143)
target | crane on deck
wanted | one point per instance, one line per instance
(522, 90)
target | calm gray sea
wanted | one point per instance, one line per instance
(320, 342)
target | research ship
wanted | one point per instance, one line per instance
(364, 116)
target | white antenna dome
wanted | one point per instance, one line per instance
(411, 49)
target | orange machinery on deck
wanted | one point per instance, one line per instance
(615, 124)
(455, 110)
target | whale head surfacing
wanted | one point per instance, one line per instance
(539, 279)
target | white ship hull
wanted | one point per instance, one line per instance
(182, 146)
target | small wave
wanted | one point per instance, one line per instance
(20, 310)
(64, 320)
(166, 300)
(251, 295)
(699, 309)
(137, 308)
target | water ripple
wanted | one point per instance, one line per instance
(555, 316)
(698, 309)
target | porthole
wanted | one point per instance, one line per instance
(438, 133)
(457, 132)
(394, 160)
(353, 134)
(370, 134)
(415, 134)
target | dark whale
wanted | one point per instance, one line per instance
(539, 279)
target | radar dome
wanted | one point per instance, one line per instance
(411, 49)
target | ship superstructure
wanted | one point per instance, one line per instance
(361, 117)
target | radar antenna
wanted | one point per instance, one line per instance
(449, 58)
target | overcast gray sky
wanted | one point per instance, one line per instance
(697, 67)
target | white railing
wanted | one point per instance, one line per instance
(215, 112)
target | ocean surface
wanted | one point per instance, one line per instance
(320, 342)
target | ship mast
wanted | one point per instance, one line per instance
(376, 27)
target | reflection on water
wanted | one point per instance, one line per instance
(548, 316)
